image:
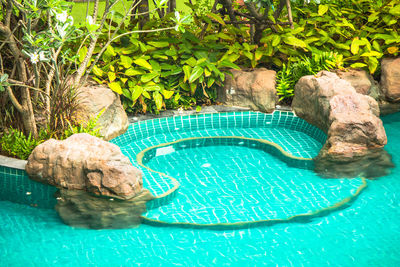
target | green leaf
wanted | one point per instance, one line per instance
(111, 76)
(196, 73)
(146, 94)
(148, 77)
(210, 82)
(132, 72)
(136, 92)
(372, 54)
(158, 99)
(155, 65)
(372, 64)
(97, 71)
(167, 94)
(191, 62)
(158, 44)
(82, 54)
(276, 39)
(322, 9)
(216, 17)
(143, 63)
(228, 64)
(373, 17)
(110, 52)
(358, 65)
(395, 11)
(291, 40)
(126, 61)
(187, 70)
(355, 46)
(198, 108)
(115, 87)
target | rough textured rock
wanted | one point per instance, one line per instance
(87, 163)
(350, 119)
(390, 79)
(375, 164)
(361, 80)
(254, 89)
(78, 208)
(95, 98)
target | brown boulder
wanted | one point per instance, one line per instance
(390, 79)
(254, 89)
(361, 80)
(94, 98)
(350, 119)
(78, 208)
(87, 163)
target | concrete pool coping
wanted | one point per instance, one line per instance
(18, 164)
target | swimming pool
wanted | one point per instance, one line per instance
(365, 233)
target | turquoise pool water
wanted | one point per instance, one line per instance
(365, 233)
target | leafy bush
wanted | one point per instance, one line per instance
(168, 72)
(15, 143)
(290, 74)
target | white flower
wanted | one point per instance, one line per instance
(42, 57)
(90, 20)
(62, 17)
(34, 58)
(177, 16)
(61, 30)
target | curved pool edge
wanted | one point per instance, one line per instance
(238, 225)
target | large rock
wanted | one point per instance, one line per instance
(95, 98)
(361, 80)
(78, 208)
(350, 119)
(87, 163)
(390, 79)
(254, 89)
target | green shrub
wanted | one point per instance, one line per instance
(15, 143)
(166, 73)
(290, 74)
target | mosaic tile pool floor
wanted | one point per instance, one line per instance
(365, 233)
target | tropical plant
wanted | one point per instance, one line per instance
(36, 38)
(170, 72)
(290, 74)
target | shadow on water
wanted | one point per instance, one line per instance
(80, 209)
(377, 164)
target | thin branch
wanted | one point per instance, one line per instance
(289, 14)
(258, 22)
(253, 10)
(14, 100)
(279, 9)
(20, 84)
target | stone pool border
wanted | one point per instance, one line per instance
(12, 163)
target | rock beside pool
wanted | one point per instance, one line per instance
(87, 163)
(361, 80)
(92, 100)
(254, 89)
(78, 208)
(350, 119)
(390, 79)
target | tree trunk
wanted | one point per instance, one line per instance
(171, 5)
(144, 8)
